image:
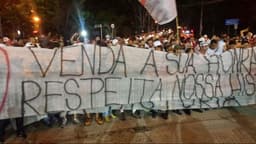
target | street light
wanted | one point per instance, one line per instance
(84, 33)
(157, 26)
(36, 19)
(18, 32)
(112, 27)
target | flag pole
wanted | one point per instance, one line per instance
(177, 27)
(177, 23)
(177, 32)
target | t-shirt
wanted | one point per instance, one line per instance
(30, 45)
(211, 52)
(2, 45)
(204, 42)
(148, 47)
(208, 41)
(221, 47)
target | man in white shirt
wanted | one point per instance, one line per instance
(206, 40)
(158, 45)
(32, 43)
(221, 45)
(149, 44)
(5, 41)
(213, 49)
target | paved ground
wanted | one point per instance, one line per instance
(233, 125)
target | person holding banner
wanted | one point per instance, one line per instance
(213, 49)
(107, 112)
(32, 43)
(222, 44)
(149, 44)
(20, 129)
(88, 118)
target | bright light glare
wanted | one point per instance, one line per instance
(36, 19)
(18, 31)
(84, 33)
(187, 32)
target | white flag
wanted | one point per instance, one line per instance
(162, 11)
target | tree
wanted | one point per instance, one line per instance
(60, 16)
(15, 15)
(143, 19)
(68, 16)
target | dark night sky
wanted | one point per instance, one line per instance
(215, 14)
(189, 13)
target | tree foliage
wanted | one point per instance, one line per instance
(59, 16)
(15, 15)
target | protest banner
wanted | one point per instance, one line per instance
(37, 81)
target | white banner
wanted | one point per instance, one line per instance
(38, 81)
(162, 11)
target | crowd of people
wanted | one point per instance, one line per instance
(42, 41)
(165, 40)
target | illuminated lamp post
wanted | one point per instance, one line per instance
(36, 21)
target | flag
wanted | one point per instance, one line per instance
(162, 11)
